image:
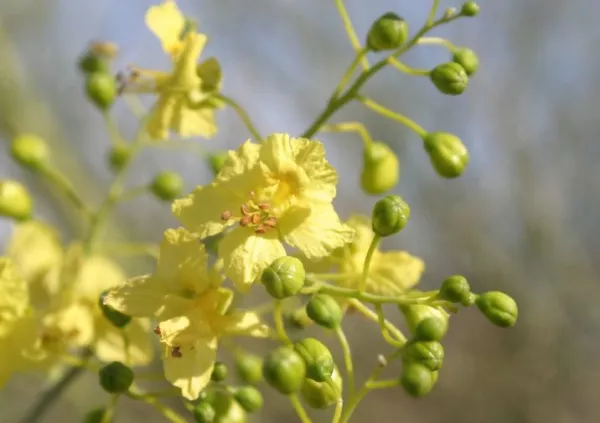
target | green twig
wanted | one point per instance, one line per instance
(243, 116)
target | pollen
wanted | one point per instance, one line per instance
(254, 215)
(176, 352)
(157, 330)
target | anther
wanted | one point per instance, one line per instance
(252, 195)
(226, 215)
(176, 352)
(270, 222)
(245, 210)
(245, 221)
(255, 219)
(260, 230)
(264, 206)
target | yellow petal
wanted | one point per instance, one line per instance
(35, 248)
(394, 272)
(201, 211)
(186, 329)
(246, 255)
(14, 296)
(188, 121)
(14, 343)
(364, 233)
(317, 232)
(184, 77)
(240, 160)
(244, 323)
(182, 263)
(96, 275)
(110, 343)
(190, 371)
(71, 326)
(167, 23)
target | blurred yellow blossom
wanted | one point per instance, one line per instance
(192, 310)
(390, 273)
(274, 192)
(186, 100)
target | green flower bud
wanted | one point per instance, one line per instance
(467, 58)
(284, 277)
(116, 378)
(388, 32)
(449, 78)
(447, 153)
(426, 323)
(217, 160)
(417, 380)
(118, 157)
(15, 201)
(101, 89)
(456, 289)
(390, 215)
(249, 398)
(323, 394)
(204, 412)
(428, 353)
(318, 359)
(470, 8)
(95, 416)
(92, 62)
(167, 186)
(29, 151)
(117, 318)
(249, 368)
(499, 308)
(324, 310)
(227, 410)
(285, 370)
(219, 372)
(381, 169)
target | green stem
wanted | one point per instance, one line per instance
(349, 72)
(132, 193)
(371, 315)
(357, 127)
(333, 105)
(354, 41)
(437, 41)
(243, 116)
(279, 327)
(347, 353)
(390, 114)
(369, 256)
(433, 11)
(334, 276)
(107, 417)
(407, 69)
(299, 409)
(382, 384)
(337, 413)
(63, 184)
(113, 130)
(384, 329)
(167, 412)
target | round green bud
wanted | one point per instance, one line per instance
(417, 380)
(219, 372)
(499, 308)
(447, 153)
(416, 314)
(92, 62)
(381, 169)
(323, 394)
(217, 160)
(227, 410)
(428, 353)
(249, 398)
(117, 318)
(284, 277)
(318, 359)
(466, 58)
(456, 289)
(204, 412)
(285, 370)
(95, 416)
(116, 378)
(470, 8)
(388, 32)
(29, 151)
(449, 78)
(324, 310)
(101, 89)
(431, 329)
(390, 215)
(15, 201)
(249, 368)
(118, 157)
(167, 186)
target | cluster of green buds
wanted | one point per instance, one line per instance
(100, 85)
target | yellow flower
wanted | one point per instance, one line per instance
(274, 192)
(186, 101)
(35, 248)
(193, 311)
(390, 273)
(17, 327)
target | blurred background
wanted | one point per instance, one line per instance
(524, 218)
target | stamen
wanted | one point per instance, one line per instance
(260, 230)
(226, 215)
(245, 221)
(252, 195)
(255, 219)
(270, 222)
(264, 206)
(157, 330)
(176, 352)
(245, 210)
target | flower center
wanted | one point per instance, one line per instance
(253, 215)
